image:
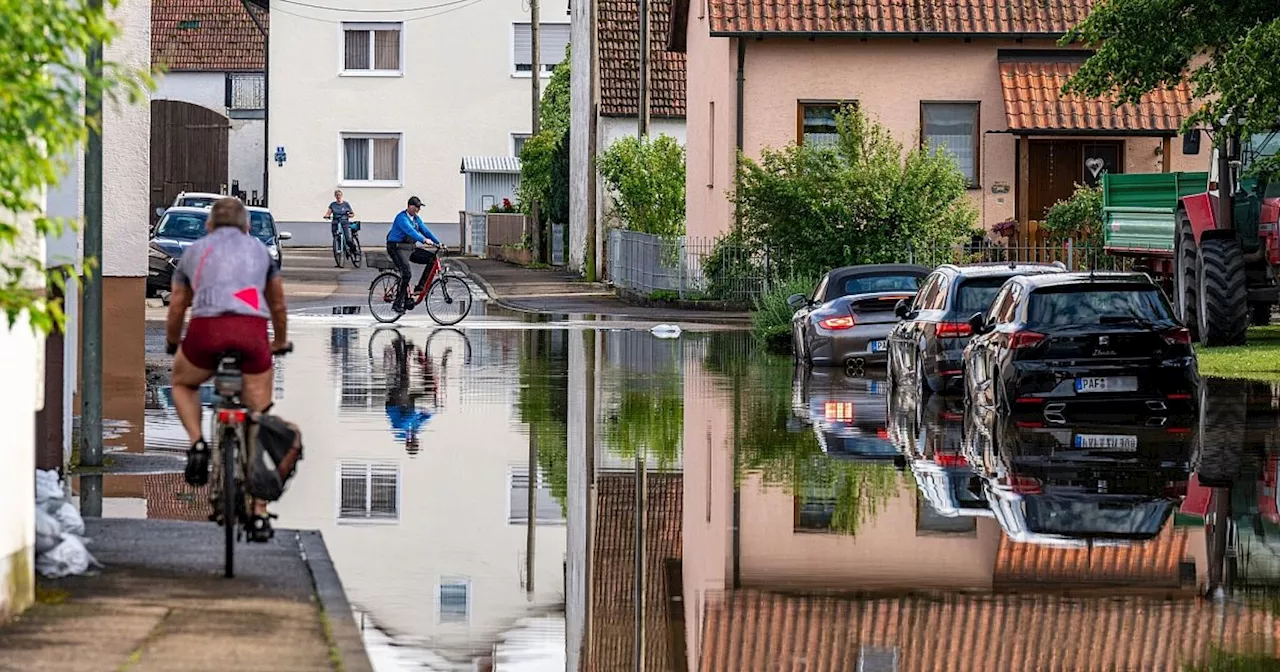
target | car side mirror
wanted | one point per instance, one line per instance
(902, 309)
(285, 235)
(978, 323)
(797, 301)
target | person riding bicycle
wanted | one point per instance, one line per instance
(232, 286)
(408, 234)
(341, 213)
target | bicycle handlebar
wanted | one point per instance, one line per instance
(288, 348)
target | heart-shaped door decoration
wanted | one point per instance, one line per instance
(1095, 166)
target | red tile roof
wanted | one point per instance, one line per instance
(750, 630)
(206, 36)
(910, 17)
(613, 572)
(619, 26)
(1033, 101)
(1152, 562)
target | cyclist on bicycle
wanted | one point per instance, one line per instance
(407, 234)
(232, 286)
(341, 213)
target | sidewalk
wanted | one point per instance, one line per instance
(556, 291)
(161, 604)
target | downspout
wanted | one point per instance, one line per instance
(266, 92)
(742, 63)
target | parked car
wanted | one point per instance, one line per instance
(180, 226)
(847, 319)
(1059, 339)
(929, 431)
(927, 346)
(847, 413)
(192, 199)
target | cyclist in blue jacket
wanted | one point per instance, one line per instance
(407, 234)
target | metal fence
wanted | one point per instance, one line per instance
(690, 267)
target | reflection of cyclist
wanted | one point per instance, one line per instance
(407, 233)
(402, 408)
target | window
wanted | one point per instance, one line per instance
(369, 491)
(552, 40)
(928, 294)
(517, 142)
(246, 92)
(372, 48)
(549, 510)
(454, 600)
(371, 158)
(821, 290)
(877, 659)
(711, 164)
(817, 121)
(953, 127)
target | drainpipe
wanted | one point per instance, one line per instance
(266, 90)
(742, 63)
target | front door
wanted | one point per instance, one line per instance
(1057, 166)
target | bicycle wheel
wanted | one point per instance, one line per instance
(230, 493)
(448, 300)
(357, 255)
(382, 297)
(338, 251)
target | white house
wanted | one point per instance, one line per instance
(209, 105)
(384, 104)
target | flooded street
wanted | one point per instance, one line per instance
(791, 519)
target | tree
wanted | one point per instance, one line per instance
(860, 201)
(538, 156)
(1227, 50)
(647, 180)
(42, 121)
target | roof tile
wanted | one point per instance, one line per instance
(619, 42)
(943, 17)
(1033, 101)
(206, 36)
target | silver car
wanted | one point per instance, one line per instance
(847, 319)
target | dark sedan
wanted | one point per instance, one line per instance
(181, 226)
(847, 319)
(1067, 339)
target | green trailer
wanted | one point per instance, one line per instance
(1139, 211)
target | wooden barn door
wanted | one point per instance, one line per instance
(188, 151)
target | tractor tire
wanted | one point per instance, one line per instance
(1260, 314)
(1185, 284)
(1220, 437)
(1223, 293)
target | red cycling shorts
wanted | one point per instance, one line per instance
(209, 337)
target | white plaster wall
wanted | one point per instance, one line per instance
(126, 137)
(611, 129)
(457, 96)
(245, 140)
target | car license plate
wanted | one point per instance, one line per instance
(875, 387)
(1122, 442)
(877, 346)
(1101, 384)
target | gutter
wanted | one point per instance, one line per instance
(1088, 132)
(741, 114)
(874, 34)
(266, 90)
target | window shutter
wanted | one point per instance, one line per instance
(552, 41)
(523, 46)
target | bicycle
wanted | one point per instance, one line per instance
(230, 418)
(340, 248)
(446, 291)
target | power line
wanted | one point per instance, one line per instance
(451, 7)
(404, 10)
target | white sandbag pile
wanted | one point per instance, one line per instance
(60, 542)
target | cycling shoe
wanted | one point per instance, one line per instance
(260, 530)
(197, 471)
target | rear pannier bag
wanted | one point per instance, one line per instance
(276, 448)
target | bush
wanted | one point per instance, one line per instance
(772, 317)
(732, 270)
(1078, 218)
(646, 177)
(861, 201)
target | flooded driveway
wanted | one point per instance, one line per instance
(770, 518)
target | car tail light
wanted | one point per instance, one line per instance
(837, 323)
(950, 460)
(1179, 430)
(1180, 397)
(882, 433)
(1030, 400)
(1028, 424)
(1178, 336)
(1023, 485)
(951, 417)
(954, 330)
(1025, 339)
(838, 410)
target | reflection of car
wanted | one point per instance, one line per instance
(848, 413)
(850, 313)
(181, 226)
(928, 344)
(930, 436)
(1065, 338)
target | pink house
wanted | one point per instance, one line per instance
(981, 77)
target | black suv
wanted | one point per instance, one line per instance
(1065, 338)
(927, 345)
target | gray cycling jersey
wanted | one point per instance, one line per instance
(227, 271)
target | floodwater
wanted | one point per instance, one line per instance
(789, 520)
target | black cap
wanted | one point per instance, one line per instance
(413, 200)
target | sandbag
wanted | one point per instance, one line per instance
(276, 447)
(67, 558)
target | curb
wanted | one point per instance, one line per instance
(488, 288)
(340, 624)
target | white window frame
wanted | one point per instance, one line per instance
(453, 581)
(521, 468)
(368, 466)
(369, 26)
(517, 136)
(511, 48)
(342, 159)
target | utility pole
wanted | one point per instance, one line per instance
(91, 335)
(536, 76)
(642, 108)
(531, 533)
(642, 484)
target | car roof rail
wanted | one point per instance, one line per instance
(950, 266)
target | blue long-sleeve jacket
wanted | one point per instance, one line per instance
(408, 229)
(406, 421)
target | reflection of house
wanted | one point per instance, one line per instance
(1163, 561)
(208, 107)
(979, 77)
